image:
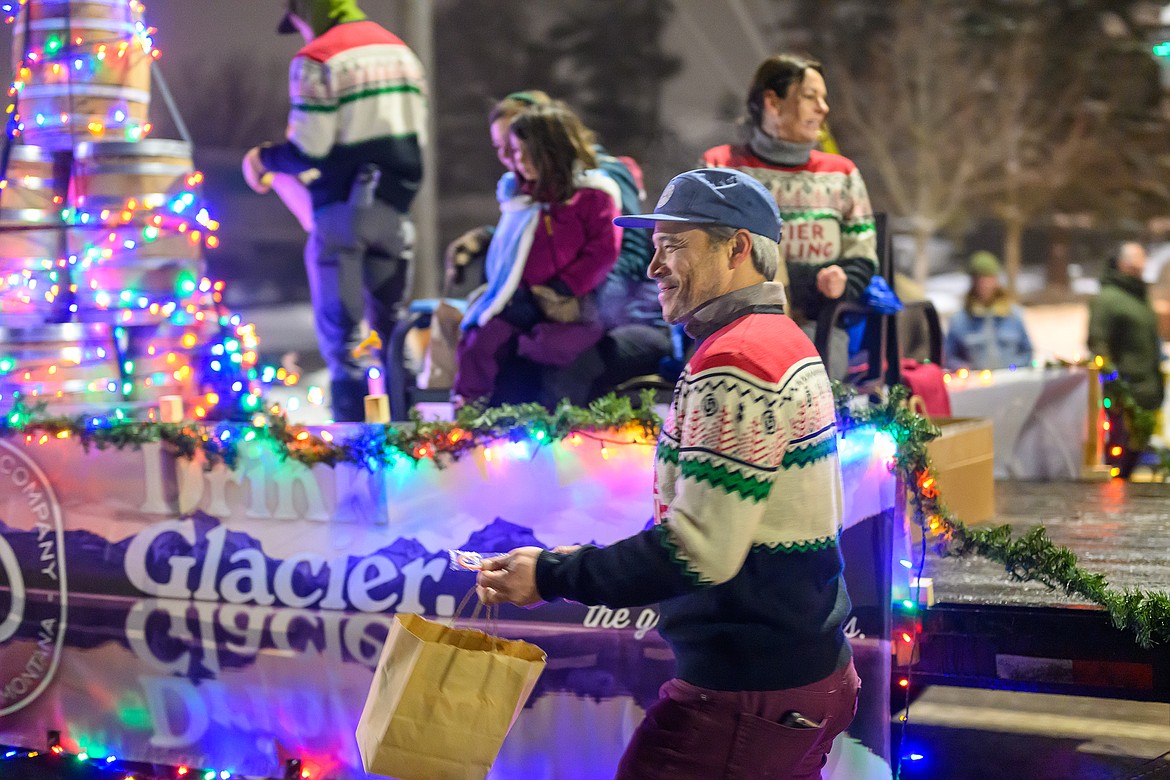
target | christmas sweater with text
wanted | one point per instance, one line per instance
(827, 219)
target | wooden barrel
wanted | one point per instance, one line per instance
(32, 179)
(154, 254)
(73, 367)
(108, 175)
(164, 358)
(34, 278)
(129, 289)
(89, 76)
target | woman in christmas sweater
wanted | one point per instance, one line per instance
(554, 244)
(829, 246)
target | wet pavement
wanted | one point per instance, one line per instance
(968, 734)
(1119, 529)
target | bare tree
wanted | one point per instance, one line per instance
(963, 108)
(608, 61)
(920, 120)
(1041, 137)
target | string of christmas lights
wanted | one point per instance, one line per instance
(57, 762)
(133, 265)
(505, 431)
(513, 430)
(66, 57)
(1029, 558)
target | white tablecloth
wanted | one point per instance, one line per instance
(1039, 415)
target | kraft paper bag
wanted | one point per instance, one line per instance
(443, 699)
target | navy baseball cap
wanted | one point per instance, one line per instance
(714, 196)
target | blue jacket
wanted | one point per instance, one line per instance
(987, 337)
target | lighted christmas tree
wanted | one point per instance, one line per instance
(104, 304)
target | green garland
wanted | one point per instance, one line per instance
(1032, 557)
(370, 446)
(1140, 422)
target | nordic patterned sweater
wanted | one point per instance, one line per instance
(743, 556)
(827, 217)
(358, 95)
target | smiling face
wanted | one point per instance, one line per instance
(797, 117)
(499, 131)
(688, 268)
(522, 163)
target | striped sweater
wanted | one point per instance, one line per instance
(358, 95)
(744, 552)
(827, 219)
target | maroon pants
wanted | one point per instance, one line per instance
(695, 733)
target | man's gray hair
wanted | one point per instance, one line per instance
(765, 251)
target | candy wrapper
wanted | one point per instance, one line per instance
(465, 560)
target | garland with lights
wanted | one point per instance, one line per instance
(1139, 421)
(1029, 558)
(370, 447)
(1032, 557)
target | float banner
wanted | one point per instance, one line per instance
(273, 532)
(232, 618)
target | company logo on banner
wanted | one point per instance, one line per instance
(30, 635)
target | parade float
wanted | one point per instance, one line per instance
(190, 582)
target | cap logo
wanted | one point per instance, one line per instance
(666, 193)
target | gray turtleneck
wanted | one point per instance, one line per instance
(786, 154)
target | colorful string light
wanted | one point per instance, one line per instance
(172, 338)
(58, 760)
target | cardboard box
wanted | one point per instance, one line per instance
(964, 462)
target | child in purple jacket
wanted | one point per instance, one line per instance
(555, 243)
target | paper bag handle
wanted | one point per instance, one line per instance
(491, 614)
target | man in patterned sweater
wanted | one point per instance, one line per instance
(743, 556)
(355, 134)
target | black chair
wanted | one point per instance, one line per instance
(882, 333)
(929, 315)
(880, 338)
(401, 382)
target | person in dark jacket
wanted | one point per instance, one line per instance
(1123, 329)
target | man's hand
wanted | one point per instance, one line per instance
(831, 281)
(510, 578)
(254, 171)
